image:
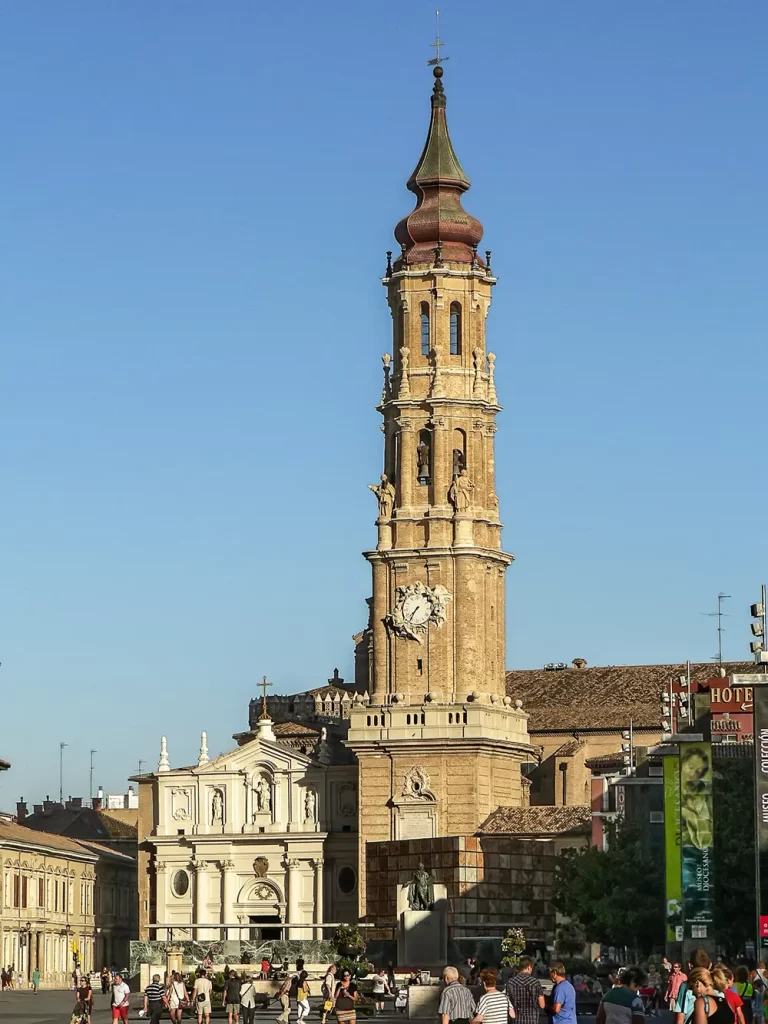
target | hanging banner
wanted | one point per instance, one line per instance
(696, 830)
(760, 700)
(672, 859)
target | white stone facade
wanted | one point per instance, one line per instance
(258, 838)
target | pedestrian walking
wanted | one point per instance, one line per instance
(85, 995)
(284, 996)
(492, 1006)
(457, 1004)
(303, 992)
(248, 999)
(742, 986)
(35, 980)
(623, 1003)
(202, 991)
(328, 990)
(380, 989)
(676, 979)
(345, 998)
(230, 997)
(120, 996)
(155, 1000)
(710, 1006)
(105, 980)
(525, 994)
(177, 996)
(722, 979)
(686, 1000)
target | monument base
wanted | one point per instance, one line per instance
(422, 938)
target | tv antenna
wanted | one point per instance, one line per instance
(437, 59)
(719, 615)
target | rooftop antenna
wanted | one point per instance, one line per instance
(61, 770)
(719, 615)
(141, 765)
(437, 59)
(90, 784)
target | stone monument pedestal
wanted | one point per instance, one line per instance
(422, 938)
(422, 935)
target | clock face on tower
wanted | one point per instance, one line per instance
(417, 609)
(416, 606)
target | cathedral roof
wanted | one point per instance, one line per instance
(606, 697)
(438, 182)
(537, 821)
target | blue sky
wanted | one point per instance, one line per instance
(196, 201)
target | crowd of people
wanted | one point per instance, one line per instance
(704, 993)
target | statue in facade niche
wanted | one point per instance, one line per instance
(310, 805)
(422, 455)
(263, 796)
(385, 493)
(460, 493)
(421, 890)
(217, 808)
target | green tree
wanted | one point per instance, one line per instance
(615, 894)
(570, 939)
(734, 860)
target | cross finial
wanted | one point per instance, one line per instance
(437, 60)
(264, 684)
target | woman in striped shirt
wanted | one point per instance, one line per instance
(493, 1006)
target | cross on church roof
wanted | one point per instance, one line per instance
(264, 684)
(437, 60)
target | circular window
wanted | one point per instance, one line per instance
(347, 879)
(180, 883)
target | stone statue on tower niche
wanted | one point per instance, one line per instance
(385, 492)
(460, 493)
(421, 890)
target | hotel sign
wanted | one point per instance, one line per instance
(726, 697)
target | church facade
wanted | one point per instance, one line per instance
(258, 843)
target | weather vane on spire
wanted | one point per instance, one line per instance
(437, 60)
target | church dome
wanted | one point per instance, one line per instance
(438, 183)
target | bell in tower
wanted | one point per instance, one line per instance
(438, 705)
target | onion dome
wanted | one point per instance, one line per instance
(439, 219)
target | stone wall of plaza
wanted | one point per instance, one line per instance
(492, 882)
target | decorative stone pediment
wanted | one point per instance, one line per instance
(416, 785)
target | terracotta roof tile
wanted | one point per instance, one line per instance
(537, 821)
(283, 730)
(605, 760)
(10, 831)
(605, 697)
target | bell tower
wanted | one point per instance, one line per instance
(438, 742)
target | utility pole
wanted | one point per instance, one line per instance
(90, 784)
(61, 771)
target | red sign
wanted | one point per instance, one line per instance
(724, 697)
(763, 926)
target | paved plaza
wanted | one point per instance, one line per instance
(48, 1007)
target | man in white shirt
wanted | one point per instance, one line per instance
(120, 997)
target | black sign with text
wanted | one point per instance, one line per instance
(760, 699)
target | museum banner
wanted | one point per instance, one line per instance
(760, 701)
(696, 821)
(672, 861)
